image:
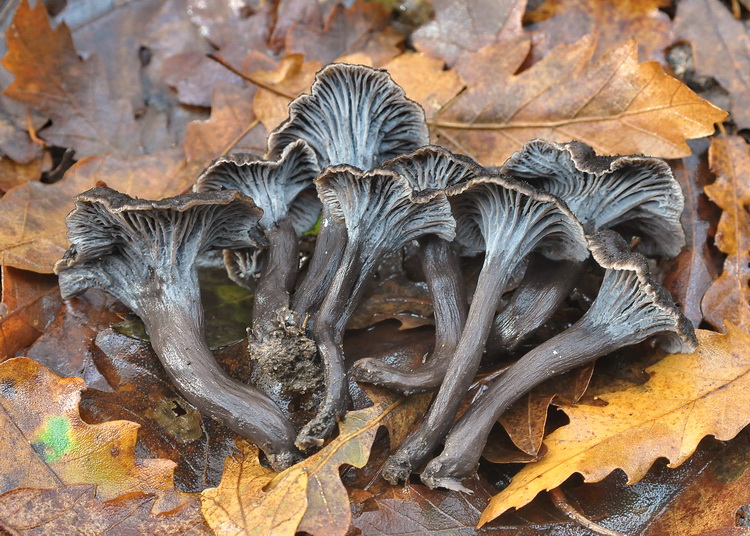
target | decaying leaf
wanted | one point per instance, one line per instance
(688, 397)
(721, 49)
(728, 298)
(239, 505)
(30, 302)
(616, 105)
(74, 93)
(462, 27)
(45, 444)
(395, 297)
(566, 21)
(40, 512)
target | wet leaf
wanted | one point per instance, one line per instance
(612, 21)
(728, 298)
(239, 505)
(616, 105)
(46, 444)
(40, 512)
(74, 93)
(30, 302)
(461, 28)
(721, 49)
(395, 298)
(688, 397)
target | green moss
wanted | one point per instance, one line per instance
(55, 439)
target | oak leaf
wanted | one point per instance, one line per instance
(74, 93)
(395, 298)
(688, 397)
(721, 49)
(424, 80)
(462, 27)
(616, 105)
(612, 21)
(33, 215)
(728, 298)
(30, 302)
(39, 512)
(45, 444)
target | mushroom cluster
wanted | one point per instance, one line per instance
(354, 155)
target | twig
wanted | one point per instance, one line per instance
(239, 137)
(562, 504)
(250, 78)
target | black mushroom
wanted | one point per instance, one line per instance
(379, 216)
(633, 194)
(430, 170)
(508, 220)
(630, 308)
(143, 253)
(353, 115)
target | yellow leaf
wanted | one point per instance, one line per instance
(688, 397)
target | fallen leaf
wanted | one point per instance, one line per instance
(33, 214)
(395, 298)
(721, 49)
(462, 27)
(363, 27)
(30, 302)
(232, 127)
(612, 21)
(688, 397)
(46, 444)
(16, 144)
(694, 270)
(728, 298)
(13, 174)
(616, 105)
(39, 512)
(240, 506)
(51, 78)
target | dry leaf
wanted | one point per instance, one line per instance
(728, 298)
(30, 302)
(688, 397)
(33, 215)
(612, 21)
(45, 444)
(462, 27)
(13, 174)
(41, 512)
(51, 78)
(721, 49)
(616, 105)
(424, 80)
(240, 506)
(363, 27)
(15, 143)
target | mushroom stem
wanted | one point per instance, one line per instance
(329, 247)
(277, 278)
(445, 282)
(542, 290)
(176, 334)
(419, 444)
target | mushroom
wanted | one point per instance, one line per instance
(508, 220)
(630, 308)
(354, 115)
(380, 216)
(429, 170)
(631, 193)
(277, 187)
(143, 253)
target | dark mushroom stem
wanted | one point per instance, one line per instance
(354, 115)
(630, 308)
(636, 193)
(380, 217)
(510, 220)
(143, 253)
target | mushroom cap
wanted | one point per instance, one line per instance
(630, 296)
(635, 192)
(377, 208)
(119, 244)
(432, 169)
(495, 210)
(278, 187)
(353, 115)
